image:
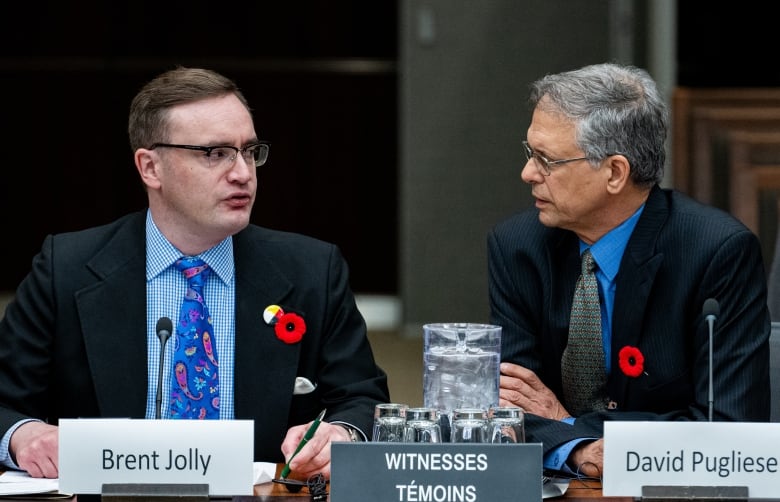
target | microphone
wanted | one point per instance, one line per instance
(710, 311)
(164, 328)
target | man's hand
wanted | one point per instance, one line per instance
(314, 457)
(35, 445)
(521, 387)
(588, 459)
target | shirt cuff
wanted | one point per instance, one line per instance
(6, 460)
(355, 434)
(556, 459)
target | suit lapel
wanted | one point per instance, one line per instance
(565, 259)
(265, 367)
(634, 282)
(115, 331)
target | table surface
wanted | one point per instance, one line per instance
(579, 490)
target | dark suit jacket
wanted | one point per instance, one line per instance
(680, 254)
(73, 341)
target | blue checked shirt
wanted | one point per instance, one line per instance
(165, 287)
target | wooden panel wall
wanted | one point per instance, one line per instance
(726, 152)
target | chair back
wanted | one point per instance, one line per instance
(774, 371)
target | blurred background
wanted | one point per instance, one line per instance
(395, 125)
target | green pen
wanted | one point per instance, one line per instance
(306, 437)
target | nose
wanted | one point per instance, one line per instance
(241, 170)
(530, 174)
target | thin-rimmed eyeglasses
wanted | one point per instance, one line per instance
(223, 156)
(544, 164)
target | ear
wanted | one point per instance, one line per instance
(619, 170)
(147, 162)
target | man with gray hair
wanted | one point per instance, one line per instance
(625, 337)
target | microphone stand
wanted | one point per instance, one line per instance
(164, 328)
(710, 310)
(710, 396)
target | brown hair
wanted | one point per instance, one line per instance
(149, 109)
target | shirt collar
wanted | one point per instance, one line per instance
(161, 254)
(608, 251)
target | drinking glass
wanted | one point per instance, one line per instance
(469, 425)
(506, 424)
(422, 426)
(389, 422)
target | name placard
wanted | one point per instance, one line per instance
(470, 472)
(93, 452)
(708, 454)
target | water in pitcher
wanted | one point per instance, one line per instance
(460, 367)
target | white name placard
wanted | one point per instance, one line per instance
(93, 452)
(638, 454)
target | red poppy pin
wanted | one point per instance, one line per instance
(288, 326)
(631, 360)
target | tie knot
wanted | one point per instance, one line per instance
(588, 263)
(195, 270)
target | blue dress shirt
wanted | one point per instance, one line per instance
(607, 252)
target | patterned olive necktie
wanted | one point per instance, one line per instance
(195, 383)
(582, 366)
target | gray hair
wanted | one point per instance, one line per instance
(616, 110)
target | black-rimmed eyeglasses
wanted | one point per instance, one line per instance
(224, 156)
(542, 163)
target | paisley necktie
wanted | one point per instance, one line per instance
(583, 369)
(195, 382)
